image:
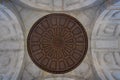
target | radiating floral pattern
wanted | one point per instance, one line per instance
(57, 43)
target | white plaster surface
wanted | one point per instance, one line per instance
(11, 45)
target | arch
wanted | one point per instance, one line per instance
(11, 45)
(105, 44)
(58, 5)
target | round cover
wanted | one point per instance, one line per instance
(57, 43)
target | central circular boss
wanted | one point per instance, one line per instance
(57, 43)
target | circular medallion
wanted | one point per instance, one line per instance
(57, 43)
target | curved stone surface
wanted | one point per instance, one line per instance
(105, 44)
(32, 72)
(62, 77)
(11, 45)
(57, 43)
(57, 5)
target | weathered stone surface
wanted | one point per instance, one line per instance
(11, 45)
(106, 44)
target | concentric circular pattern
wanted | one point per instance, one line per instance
(57, 43)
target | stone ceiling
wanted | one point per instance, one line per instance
(102, 24)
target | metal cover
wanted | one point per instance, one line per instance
(57, 43)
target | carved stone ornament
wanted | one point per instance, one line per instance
(57, 43)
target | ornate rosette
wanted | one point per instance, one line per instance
(57, 43)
